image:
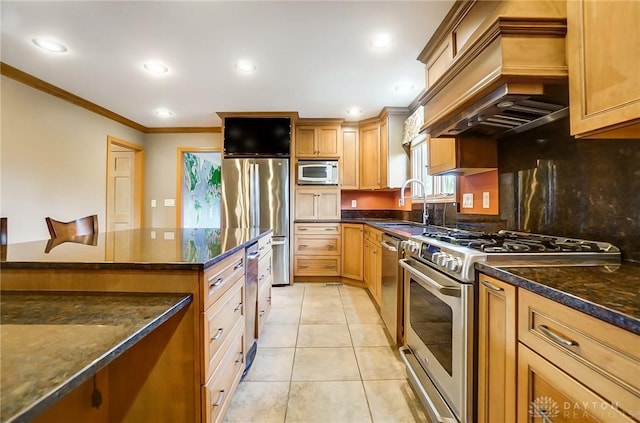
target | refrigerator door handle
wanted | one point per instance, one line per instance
(255, 200)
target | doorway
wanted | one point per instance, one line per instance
(125, 179)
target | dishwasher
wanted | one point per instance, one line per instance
(391, 289)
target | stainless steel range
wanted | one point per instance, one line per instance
(439, 276)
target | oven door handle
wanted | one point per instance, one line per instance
(450, 291)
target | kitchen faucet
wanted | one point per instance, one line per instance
(425, 215)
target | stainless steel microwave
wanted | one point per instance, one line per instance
(314, 172)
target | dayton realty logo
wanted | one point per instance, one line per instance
(544, 407)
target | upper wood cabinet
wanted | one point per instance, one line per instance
(603, 51)
(462, 155)
(383, 163)
(370, 162)
(318, 141)
(349, 167)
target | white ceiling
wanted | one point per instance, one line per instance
(312, 57)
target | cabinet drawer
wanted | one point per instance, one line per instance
(318, 245)
(312, 266)
(217, 393)
(264, 304)
(372, 235)
(218, 278)
(220, 322)
(265, 268)
(599, 355)
(316, 228)
(264, 245)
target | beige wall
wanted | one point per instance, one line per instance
(53, 156)
(161, 156)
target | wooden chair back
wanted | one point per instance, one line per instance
(84, 226)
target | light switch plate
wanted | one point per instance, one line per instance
(168, 235)
(467, 200)
(169, 202)
(354, 203)
(485, 200)
(153, 203)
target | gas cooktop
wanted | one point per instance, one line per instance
(454, 251)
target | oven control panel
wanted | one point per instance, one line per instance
(458, 263)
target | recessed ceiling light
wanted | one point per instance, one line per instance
(155, 67)
(380, 41)
(245, 66)
(354, 111)
(404, 87)
(49, 45)
(164, 113)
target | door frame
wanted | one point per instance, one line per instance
(138, 188)
(180, 175)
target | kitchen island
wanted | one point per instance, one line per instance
(52, 342)
(174, 363)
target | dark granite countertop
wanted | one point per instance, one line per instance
(154, 248)
(609, 293)
(52, 342)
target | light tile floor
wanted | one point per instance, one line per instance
(324, 356)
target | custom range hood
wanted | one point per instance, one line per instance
(496, 68)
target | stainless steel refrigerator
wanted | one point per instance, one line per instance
(255, 193)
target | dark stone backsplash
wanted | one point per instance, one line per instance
(554, 184)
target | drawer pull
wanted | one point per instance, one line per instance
(218, 334)
(330, 266)
(262, 277)
(303, 266)
(238, 307)
(238, 266)
(221, 397)
(492, 287)
(216, 283)
(329, 229)
(303, 229)
(303, 245)
(262, 312)
(559, 339)
(253, 256)
(240, 358)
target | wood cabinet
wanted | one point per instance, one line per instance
(569, 366)
(265, 282)
(497, 343)
(373, 262)
(223, 343)
(603, 52)
(353, 249)
(587, 359)
(317, 249)
(461, 155)
(318, 141)
(349, 162)
(369, 161)
(317, 203)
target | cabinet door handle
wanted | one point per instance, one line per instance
(240, 358)
(491, 286)
(218, 334)
(221, 397)
(262, 277)
(216, 283)
(238, 307)
(557, 338)
(238, 266)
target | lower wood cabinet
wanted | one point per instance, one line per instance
(219, 389)
(353, 249)
(541, 361)
(373, 262)
(497, 343)
(317, 248)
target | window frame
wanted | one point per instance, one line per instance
(436, 185)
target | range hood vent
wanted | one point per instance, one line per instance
(496, 69)
(506, 111)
